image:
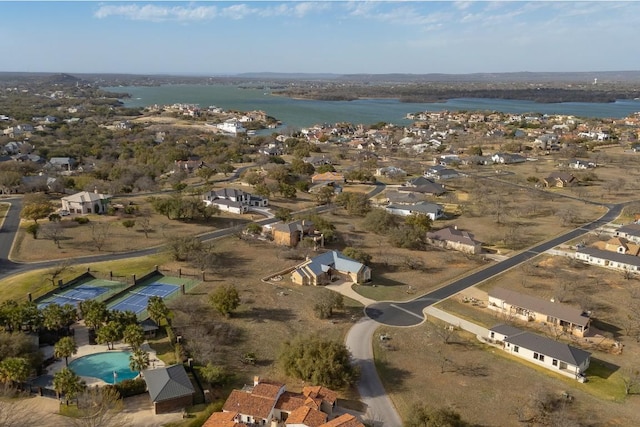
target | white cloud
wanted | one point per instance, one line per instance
(157, 13)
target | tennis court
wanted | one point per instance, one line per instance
(137, 299)
(91, 288)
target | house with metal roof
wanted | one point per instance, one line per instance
(169, 387)
(532, 309)
(432, 210)
(542, 351)
(330, 266)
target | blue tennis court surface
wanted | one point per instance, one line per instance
(139, 297)
(74, 296)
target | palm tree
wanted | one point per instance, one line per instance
(139, 360)
(14, 370)
(134, 336)
(65, 347)
(157, 309)
(68, 383)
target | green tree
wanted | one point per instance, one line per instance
(379, 221)
(14, 370)
(421, 416)
(139, 360)
(214, 374)
(357, 254)
(325, 195)
(68, 383)
(109, 334)
(318, 361)
(225, 299)
(129, 223)
(287, 191)
(253, 228)
(36, 206)
(283, 214)
(65, 347)
(420, 222)
(133, 335)
(94, 312)
(327, 302)
(56, 317)
(353, 203)
(157, 309)
(407, 237)
(33, 229)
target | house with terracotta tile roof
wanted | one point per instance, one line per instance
(326, 177)
(344, 420)
(267, 403)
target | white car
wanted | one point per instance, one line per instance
(64, 212)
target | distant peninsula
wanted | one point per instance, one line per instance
(601, 87)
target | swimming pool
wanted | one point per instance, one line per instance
(103, 366)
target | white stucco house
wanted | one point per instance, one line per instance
(86, 202)
(432, 210)
(542, 351)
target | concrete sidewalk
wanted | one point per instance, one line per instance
(477, 330)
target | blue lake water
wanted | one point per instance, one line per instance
(303, 113)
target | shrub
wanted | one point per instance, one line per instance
(81, 219)
(129, 388)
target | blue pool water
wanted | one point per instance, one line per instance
(103, 365)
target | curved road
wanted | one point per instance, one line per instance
(410, 313)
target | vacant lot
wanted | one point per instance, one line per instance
(483, 384)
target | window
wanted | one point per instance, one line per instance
(516, 348)
(493, 335)
(539, 357)
(536, 355)
(554, 362)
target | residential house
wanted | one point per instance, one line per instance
(542, 351)
(630, 232)
(432, 210)
(189, 165)
(439, 172)
(231, 126)
(391, 171)
(233, 200)
(560, 179)
(452, 238)
(291, 233)
(86, 202)
(408, 197)
(580, 164)
(326, 177)
(344, 420)
(317, 160)
(532, 309)
(322, 269)
(169, 387)
(508, 158)
(608, 259)
(62, 163)
(266, 403)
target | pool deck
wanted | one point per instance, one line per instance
(84, 349)
(138, 409)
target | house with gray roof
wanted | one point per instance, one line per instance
(609, 259)
(532, 309)
(630, 232)
(452, 238)
(542, 351)
(169, 387)
(328, 267)
(432, 210)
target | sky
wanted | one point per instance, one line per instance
(341, 37)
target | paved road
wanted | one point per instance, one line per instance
(380, 409)
(411, 312)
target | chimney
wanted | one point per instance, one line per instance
(256, 380)
(95, 190)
